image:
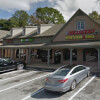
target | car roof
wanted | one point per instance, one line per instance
(68, 66)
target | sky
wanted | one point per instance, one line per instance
(66, 7)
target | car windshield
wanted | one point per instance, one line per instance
(62, 72)
(8, 60)
(0, 60)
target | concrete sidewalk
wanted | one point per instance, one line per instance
(52, 67)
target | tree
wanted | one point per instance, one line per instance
(94, 15)
(21, 17)
(49, 15)
(33, 20)
(2, 22)
(10, 23)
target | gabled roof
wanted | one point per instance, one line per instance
(79, 12)
(4, 33)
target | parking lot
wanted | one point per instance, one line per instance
(28, 85)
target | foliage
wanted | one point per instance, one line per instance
(21, 17)
(42, 16)
(33, 20)
(94, 15)
(49, 15)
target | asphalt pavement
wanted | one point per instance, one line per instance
(28, 85)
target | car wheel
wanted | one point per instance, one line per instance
(73, 85)
(20, 66)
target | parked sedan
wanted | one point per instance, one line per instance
(9, 64)
(66, 78)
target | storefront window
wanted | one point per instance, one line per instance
(90, 55)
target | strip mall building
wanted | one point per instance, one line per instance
(75, 42)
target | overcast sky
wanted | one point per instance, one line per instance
(66, 7)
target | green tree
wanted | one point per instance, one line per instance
(21, 17)
(49, 15)
(94, 15)
(2, 22)
(33, 20)
(10, 23)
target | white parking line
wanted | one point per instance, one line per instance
(11, 72)
(29, 96)
(17, 76)
(23, 83)
(82, 88)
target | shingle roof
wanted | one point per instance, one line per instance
(51, 31)
(29, 34)
(3, 34)
(98, 21)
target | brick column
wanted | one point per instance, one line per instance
(71, 51)
(48, 57)
(79, 56)
(26, 56)
(6, 53)
(12, 53)
(53, 51)
(99, 58)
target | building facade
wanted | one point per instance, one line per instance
(75, 42)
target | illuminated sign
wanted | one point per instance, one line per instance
(82, 34)
(26, 40)
(80, 37)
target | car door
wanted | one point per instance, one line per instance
(3, 66)
(83, 71)
(76, 74)
(11, 64)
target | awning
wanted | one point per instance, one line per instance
(23, 46)
(75, 45)
(57, 45)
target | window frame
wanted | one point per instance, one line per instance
(79, 25)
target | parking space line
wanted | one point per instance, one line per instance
(82, 88)
(17, 76)
(29, 96)
(11, 72)
(23, 83)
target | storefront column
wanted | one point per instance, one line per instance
(98, 58)
(48, 59)
(29, 56)
(71, 50)
(6, 52)
(2, 53)
(12, 53)
(26, 56)
(79, 56)
(61, 56)
(53, 53)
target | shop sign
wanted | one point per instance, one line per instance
(9, 41)
(83, 34)
(80, 37)
(26, 40)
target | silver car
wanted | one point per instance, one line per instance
(66, 78)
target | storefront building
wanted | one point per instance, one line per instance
(76, 42)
